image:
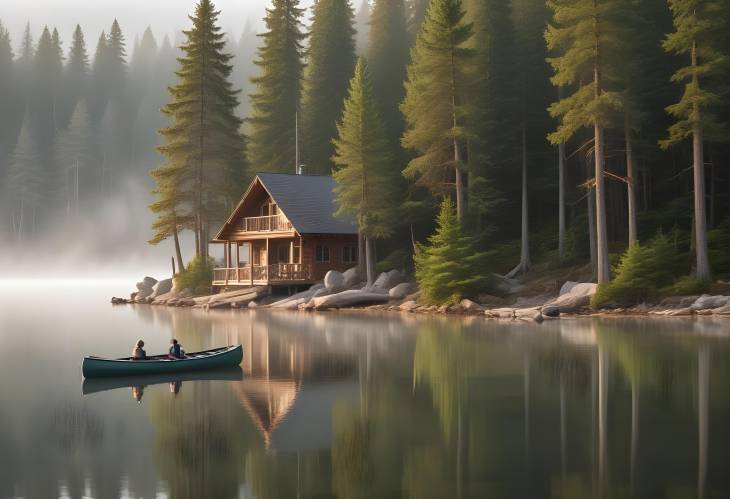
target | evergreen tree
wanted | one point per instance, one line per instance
(76, 71)
(203, 149)
(437, 90)
(362, 27)
(699, 28)
(25, 184)
(171, 198)
(447, 268)
(117, 62)
(24, 64)
(387, 58)
(98, 92)
(365, 174)
(330, 61)
(275, 102)
(582, 33)
(74, 157)
(7, 98)
(244, 68)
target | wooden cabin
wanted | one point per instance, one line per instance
(284, 232)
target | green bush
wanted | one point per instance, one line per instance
(643, 270)
(197, 276)
(396, 259)
(687, 285)
(448, 268)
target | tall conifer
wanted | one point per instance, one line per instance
(25, 181)
(437, 91)
(275, 102)
(330, 62)
(365, 174)
(74, 159)
(699, 28)
(583, 36)
(76, 72)
(203, 149)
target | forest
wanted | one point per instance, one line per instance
(531, 135)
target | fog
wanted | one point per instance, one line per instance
(92, 220)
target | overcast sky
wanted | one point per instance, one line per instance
(163, 16)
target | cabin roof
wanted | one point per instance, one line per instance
(308, 201)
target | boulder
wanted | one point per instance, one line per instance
(681, 312)
(470, 306)
(577, 296)
(710, 301)
(351, 277)
(118, 301)
(162, 287)
(528, 314)
(334, 281)
(149, 281)
(408, 306)
(400, 291)
(500, 313)
(387, 280)
(722, 310)
(348, 298)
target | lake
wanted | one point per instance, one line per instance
(360, 405)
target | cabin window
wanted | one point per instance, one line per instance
(269, 208)
(349, 254)
(322, 253)
(282, 253)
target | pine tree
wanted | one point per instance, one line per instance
(244, 68)
(330, 62)
(117, 62)
(203, 149)
(74, 157)
(387, 58)
(362, 27)
(76, 72)
(581, 33)
(7, 97)
(437, 89)
(98, 92)
(171, 198)
(275, 102)
(24, 64)
(365, 174)
(448, 267)
(25, 183)
(699, 27)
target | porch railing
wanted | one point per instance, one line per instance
(273, 223)
(263, 273)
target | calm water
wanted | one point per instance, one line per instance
(361, 406)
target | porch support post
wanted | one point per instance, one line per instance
(291, 251)
(268, 261)
(250, 260)
(238, 260)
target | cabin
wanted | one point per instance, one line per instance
(283, 232)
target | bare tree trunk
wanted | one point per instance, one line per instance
(197, 235)
(713, 180)
(370, 260)
(603, 265)
(703, 263)
(630, 184)
(525, 241)
(592, 230)
(360, 254)
(561, 200)
(178, 253)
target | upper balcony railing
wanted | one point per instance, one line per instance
(273, 223)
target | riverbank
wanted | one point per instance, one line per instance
(393, 292)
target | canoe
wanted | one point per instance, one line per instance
(96, 385)
(98, 367)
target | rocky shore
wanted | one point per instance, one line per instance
(393, 292)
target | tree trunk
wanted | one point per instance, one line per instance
(703, 263)
(713, 180)
(603, 270)
(178, 253)
(561, 200)
(525, 236)
(360, 254)
(370, 260)
(459, 183)
(630, 185)
(592, 230)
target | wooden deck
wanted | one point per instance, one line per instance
(258, 275)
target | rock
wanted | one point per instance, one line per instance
(443, 309)
(185, 293)
(118, 301)
(681, 312)
(710, 301)
(500, 313)
(162, 287)
(408, 306)
(567, 287)
(348, 298)
(252, 304)
(722, 310)
(528, 314)
(400, 291)
(334, 281)
(149, 281)
(387, 280)
(132, 296)
(351, 277)
(470, 306)
(507, 285)
(578, 296)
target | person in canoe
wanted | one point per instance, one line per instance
(176, 350)
(138, 352)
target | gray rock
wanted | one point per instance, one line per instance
(149, 281)
(528, 314)
(334, 281)
(348, 298)
(351, 277)
(470, 306)
(500, 313)
(408, 306)
(681, 312)
(721, 310)
(387, 280)
(577, 296)
(162, 287)
(710, 302)
(400, 291)
(142, 294)
(143, 286)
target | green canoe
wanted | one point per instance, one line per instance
(95, 385)
(97, 367)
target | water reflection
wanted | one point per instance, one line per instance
(363, 406)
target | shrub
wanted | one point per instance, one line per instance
(642, 271)
(396, 259)
(197, 276)
(448, 267)
(687, 285)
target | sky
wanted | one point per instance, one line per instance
(163, 16)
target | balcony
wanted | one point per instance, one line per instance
(273, 223)
(263, 274)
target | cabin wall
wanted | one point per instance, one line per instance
(335, 243)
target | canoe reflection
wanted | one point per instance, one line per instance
(138, 383)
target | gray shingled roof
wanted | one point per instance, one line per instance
(308, 202)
